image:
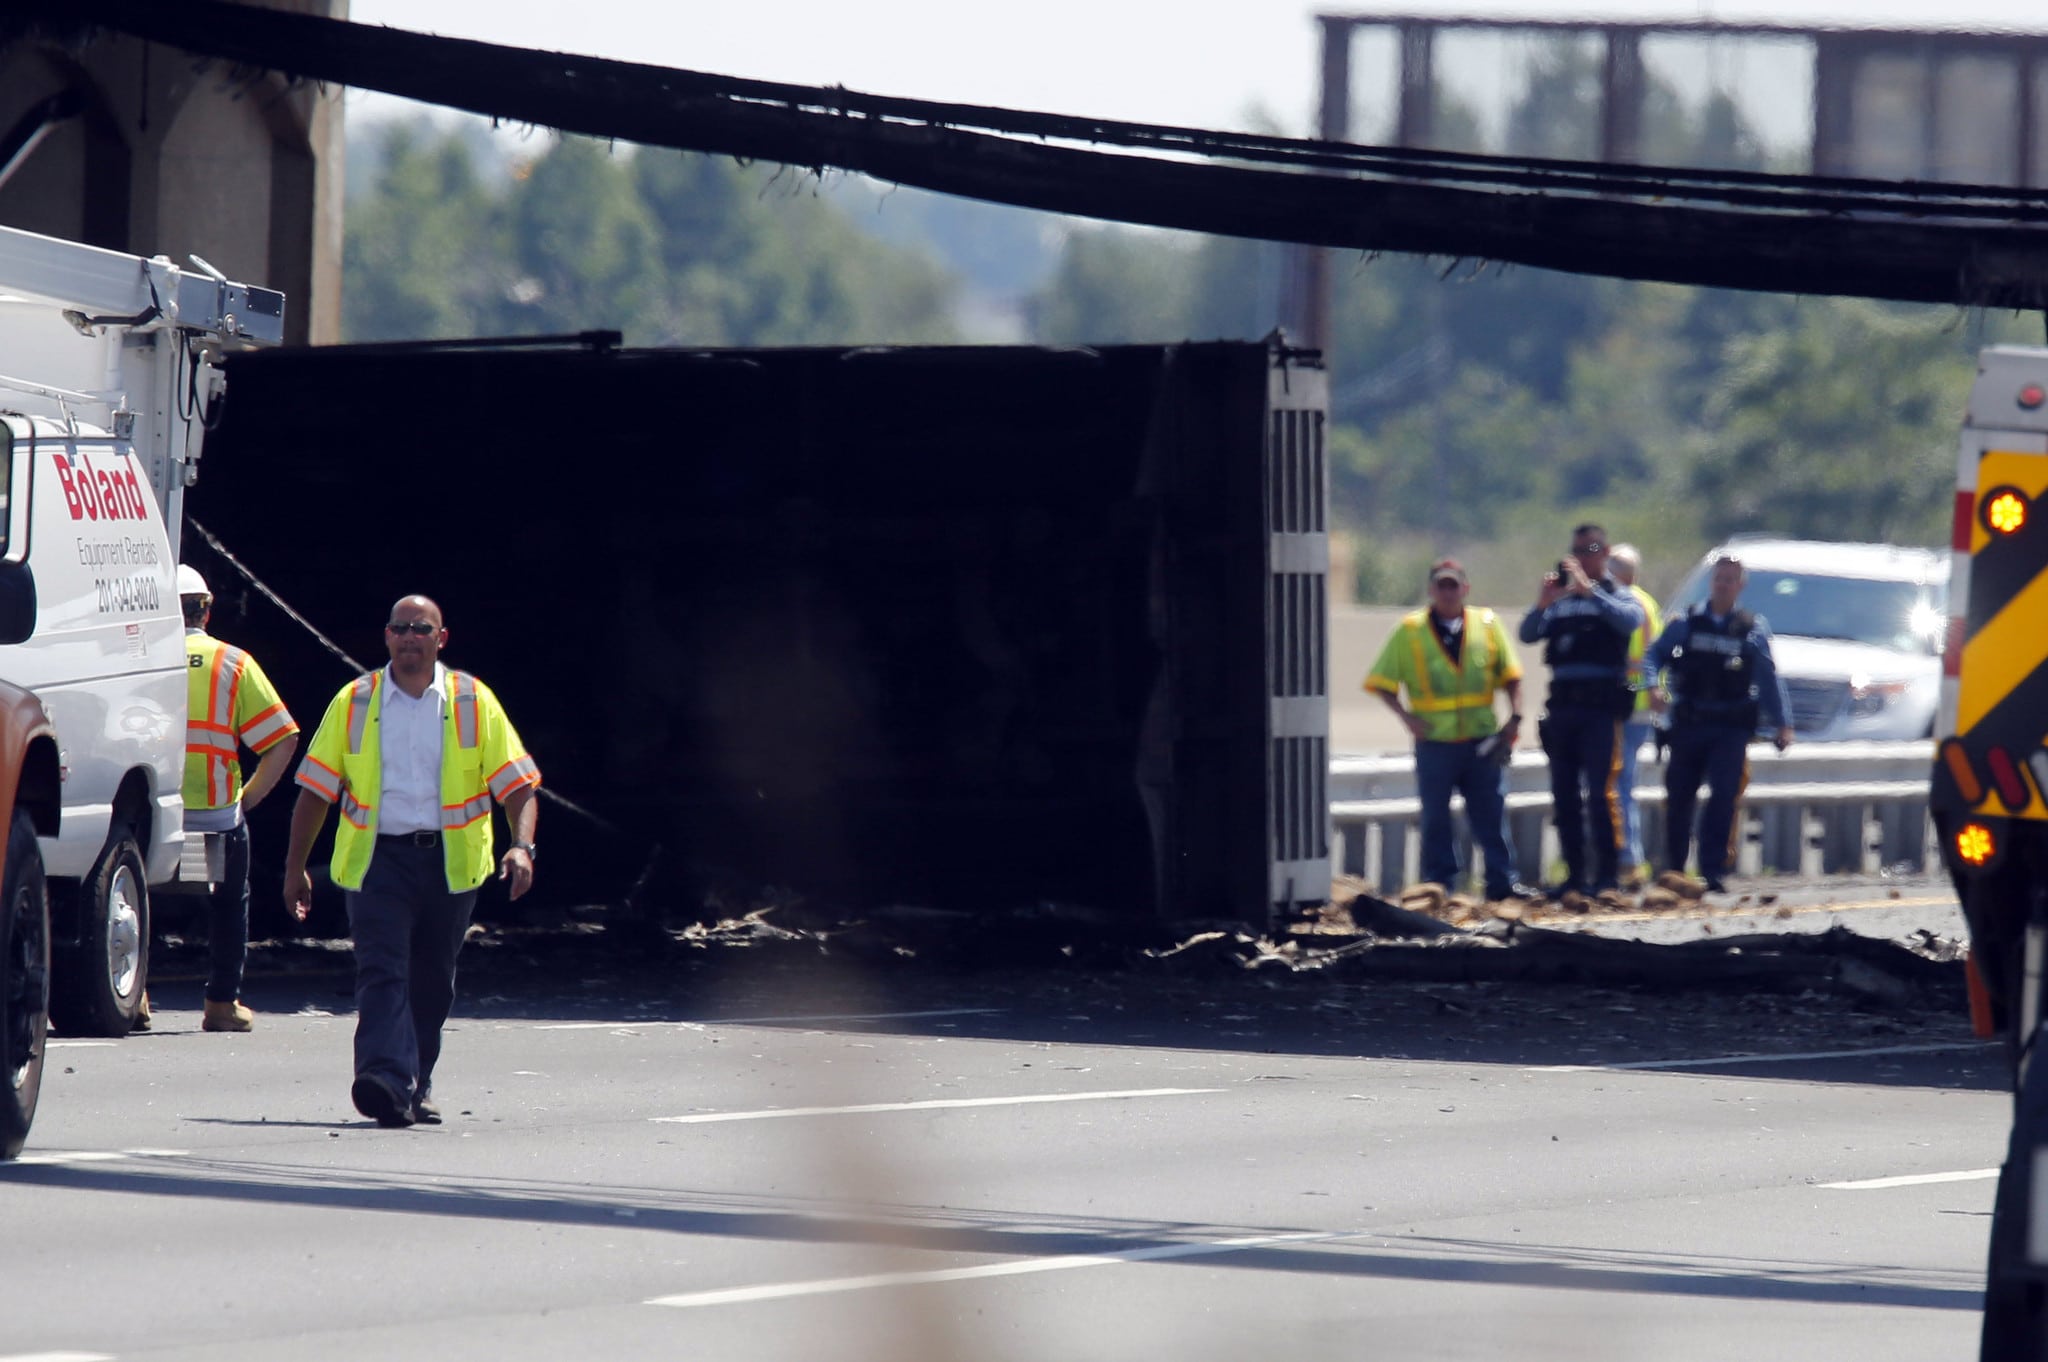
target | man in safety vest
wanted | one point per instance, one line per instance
(1719, 684)
(414, 755)
(230, 705)
(1624, 562)
(1451, 658)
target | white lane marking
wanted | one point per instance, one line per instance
(773, 1113)
(57, 1357)
(1719, 1061)
(54, 1156)
(831, 1285)
(1913, 1180)
(77, 1045)
(762, 1021)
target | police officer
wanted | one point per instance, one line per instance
(1584, 619)
(1718, 683)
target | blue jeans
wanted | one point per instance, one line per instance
(407, 929)
(1440, 768)
(1633, 735)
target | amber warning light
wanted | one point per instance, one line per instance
(1974, 844)
(2005, 511)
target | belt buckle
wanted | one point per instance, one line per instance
(425, 839)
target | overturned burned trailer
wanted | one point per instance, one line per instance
(960, 627)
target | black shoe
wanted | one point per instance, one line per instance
(424, 1112)
(1556, 892)
(380, 1102)
(1525, 893)
(1714, 884)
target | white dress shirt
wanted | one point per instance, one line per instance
(409, 744)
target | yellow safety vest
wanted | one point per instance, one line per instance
(1651, 626)
(228, 701)
(1453, 699)
(481, 759)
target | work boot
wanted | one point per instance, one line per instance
(226, 1017)
(1681, 884)
(142, 1013)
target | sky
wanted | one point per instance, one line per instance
(1202, 63)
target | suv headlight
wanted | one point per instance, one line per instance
(1870, 697)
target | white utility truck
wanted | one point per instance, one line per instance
(108, 380)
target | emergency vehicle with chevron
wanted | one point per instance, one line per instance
(1989, 794)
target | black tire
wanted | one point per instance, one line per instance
(100, 981)
(24, 983)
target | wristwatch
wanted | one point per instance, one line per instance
(526, 847)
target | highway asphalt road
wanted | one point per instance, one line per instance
(805, 1162)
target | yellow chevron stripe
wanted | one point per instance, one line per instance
(2003, 653)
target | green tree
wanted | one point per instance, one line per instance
(1842, 425)
(666, 248)
(417, 259)
(581, 244)
(1115, 285)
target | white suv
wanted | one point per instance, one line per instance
(1856, 630)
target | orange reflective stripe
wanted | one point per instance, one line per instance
(266, 728)
(455, 816)
(202, 738)
(513, 774)
(354, 810)
(320, 779)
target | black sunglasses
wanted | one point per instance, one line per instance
(1595, 547)
(420, 627)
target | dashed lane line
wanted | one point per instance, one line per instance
(936, 1104)
(1723, 1061)
(1016, 1268)
(1912, 1180)
(699, 1024)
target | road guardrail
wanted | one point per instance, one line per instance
(1816, 809)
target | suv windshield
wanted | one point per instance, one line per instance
(1903, 616)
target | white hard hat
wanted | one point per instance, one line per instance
(190, 583)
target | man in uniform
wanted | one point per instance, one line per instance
(414, 754)
(1718, 682)
(1584, 619)
(1451, 659)
(1624, 562)
(230, 705)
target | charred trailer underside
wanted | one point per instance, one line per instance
(965, 627)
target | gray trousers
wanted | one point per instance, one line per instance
(407, 929)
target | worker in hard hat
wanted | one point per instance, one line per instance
(232, 705)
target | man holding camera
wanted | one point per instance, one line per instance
(1584, 619)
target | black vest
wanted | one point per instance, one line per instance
(1711, 674)
(1579, 634)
